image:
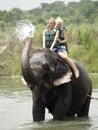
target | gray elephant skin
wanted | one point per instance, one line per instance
(40, 69)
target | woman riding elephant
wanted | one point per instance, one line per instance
(51, 39)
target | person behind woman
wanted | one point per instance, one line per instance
(62, 33)
(52, 39)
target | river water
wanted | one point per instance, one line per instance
(16, 110)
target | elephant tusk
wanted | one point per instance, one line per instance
(65, 79)
(23, 81)
(92, 97)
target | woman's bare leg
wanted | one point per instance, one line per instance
(65, 57)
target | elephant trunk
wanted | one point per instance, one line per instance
(27, 73)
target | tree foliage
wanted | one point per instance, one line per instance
(81, 19)
(85, 11)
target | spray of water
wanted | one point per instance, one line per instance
(24, 29)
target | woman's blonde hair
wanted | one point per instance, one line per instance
(58, 19)
(51, 19)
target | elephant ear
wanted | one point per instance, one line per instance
(64, 79)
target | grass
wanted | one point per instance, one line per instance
(82, 42)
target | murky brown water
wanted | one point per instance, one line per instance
(16, 111)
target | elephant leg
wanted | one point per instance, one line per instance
(85, 108)
(59, 112)
(38, 111)
(63, 103)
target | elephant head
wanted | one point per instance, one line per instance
(42, 68)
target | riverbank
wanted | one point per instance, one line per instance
(94, 78)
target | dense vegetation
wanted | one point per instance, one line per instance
(80, 19)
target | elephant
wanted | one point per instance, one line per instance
(40, 69)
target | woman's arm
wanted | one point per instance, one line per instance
(55, 40)
(44, 44)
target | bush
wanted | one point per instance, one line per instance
(82, 43)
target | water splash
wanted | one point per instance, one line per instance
(24, 29)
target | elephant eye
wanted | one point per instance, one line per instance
(46, 66)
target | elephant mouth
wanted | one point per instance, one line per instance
(64, 79)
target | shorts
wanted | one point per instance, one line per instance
(60, 49)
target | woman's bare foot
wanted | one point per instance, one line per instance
(77, 73)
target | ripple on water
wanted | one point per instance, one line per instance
(16, 111)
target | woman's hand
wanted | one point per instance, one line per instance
(59, 41)
(51, 48)
(28, 39)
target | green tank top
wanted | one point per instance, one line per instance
(49, 36)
